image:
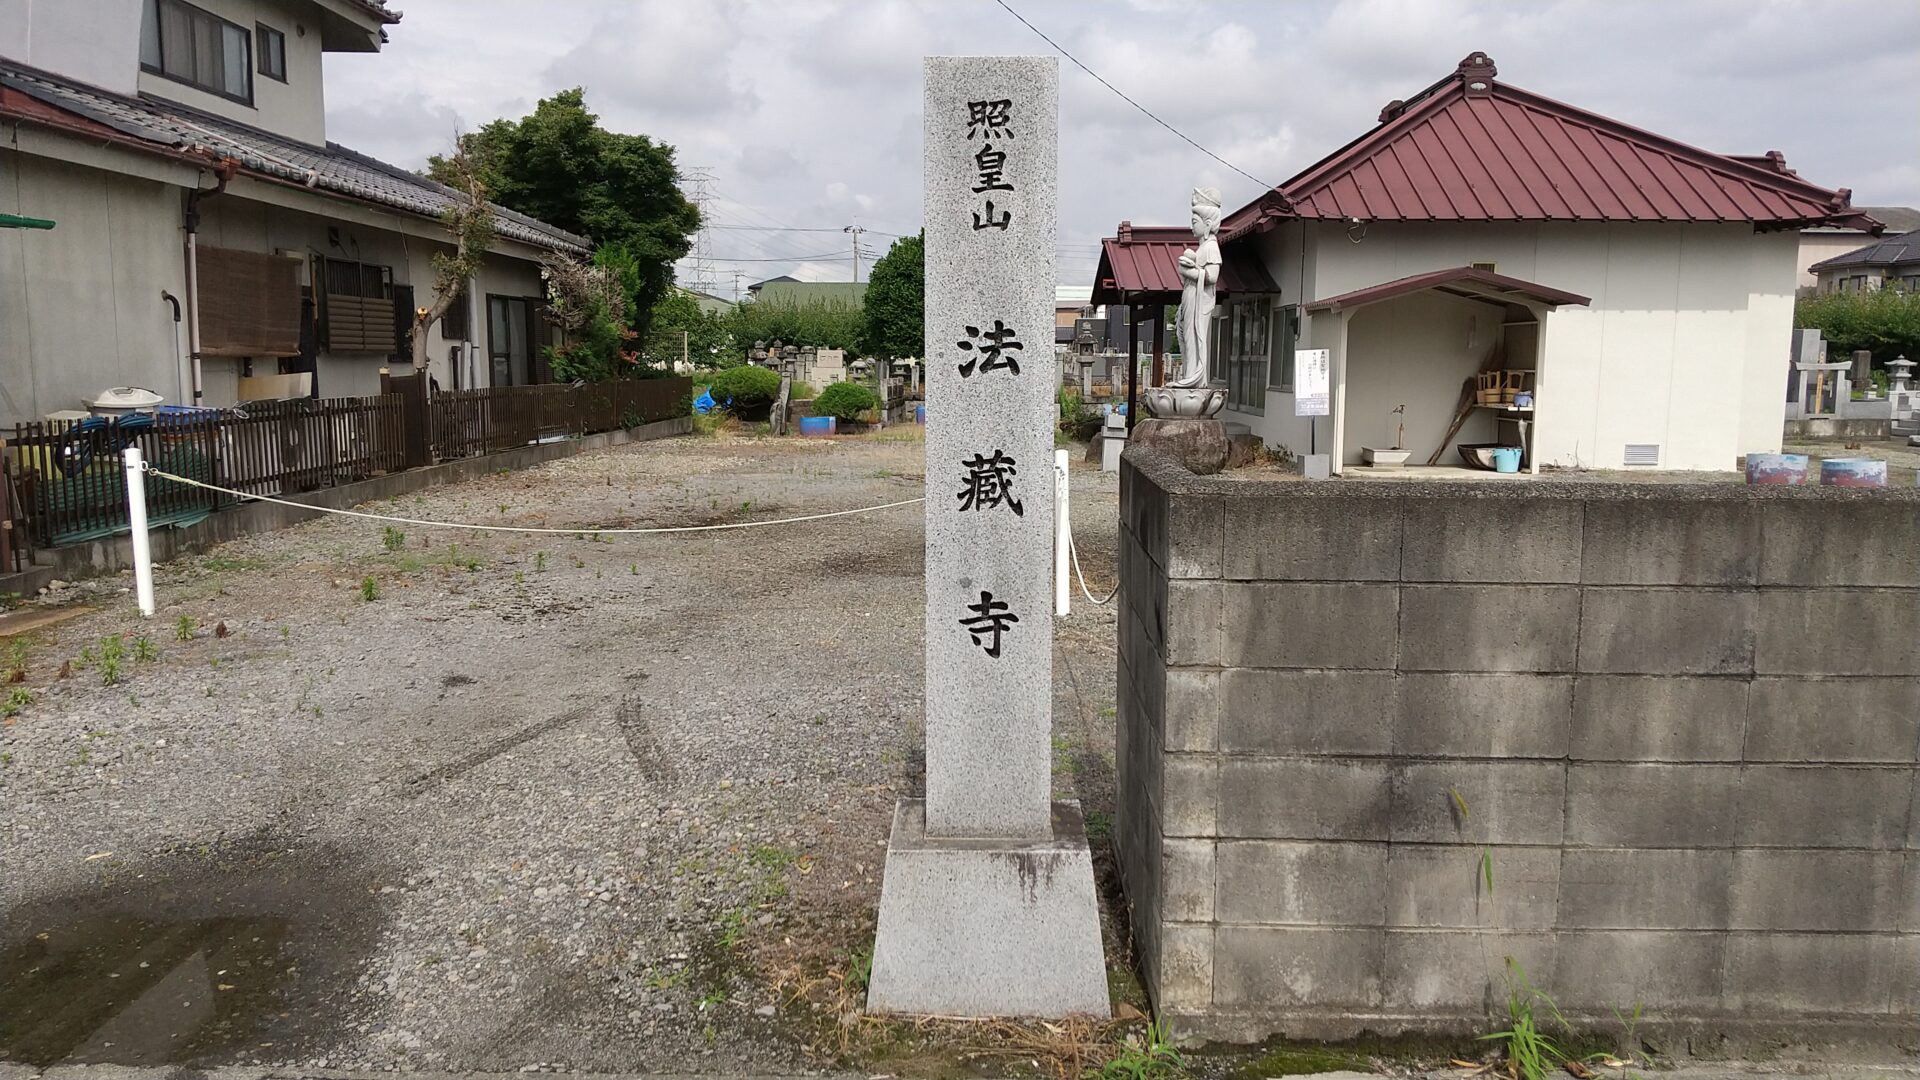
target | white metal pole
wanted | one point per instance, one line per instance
(1062, 536)
(137, 520)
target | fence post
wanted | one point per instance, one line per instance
(137, 521)
(1062, 537)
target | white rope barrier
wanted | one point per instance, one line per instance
(581, 531)
(1073, 549)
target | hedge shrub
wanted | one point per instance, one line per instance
(845, 401)
(748, 386)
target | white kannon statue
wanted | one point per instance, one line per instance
(1200, 275)
(1187, 394)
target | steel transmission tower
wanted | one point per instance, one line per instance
(697, 184)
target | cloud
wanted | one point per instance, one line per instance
(808, 113)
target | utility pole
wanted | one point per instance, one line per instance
(736, 286)
(855, 230)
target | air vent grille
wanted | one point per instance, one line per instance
(1643, 453)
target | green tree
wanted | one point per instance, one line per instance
(893, 314)
(559, 165)
(1885, 321)
(818, 323)
(708, 342)
(470, 225)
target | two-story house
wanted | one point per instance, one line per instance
(205, 229)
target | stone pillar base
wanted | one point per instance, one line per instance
(1200, 445)
(988, 927)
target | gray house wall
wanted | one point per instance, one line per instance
(1677, 723)
(81, 307)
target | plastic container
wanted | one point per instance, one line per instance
(1853, 472)
(1506, 459)
(817, 427)
(1787, 469)
(919, 414)
(121, 400)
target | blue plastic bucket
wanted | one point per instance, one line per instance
(919, 414)
(1853, 472)
(817, 426)
(1506, 459)
(1776, 469)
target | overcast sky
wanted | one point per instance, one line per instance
(807, 112)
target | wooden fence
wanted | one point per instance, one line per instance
(468, 422)
(284, 447)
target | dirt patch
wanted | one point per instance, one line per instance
(615, 803)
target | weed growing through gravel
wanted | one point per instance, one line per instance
(17, 699)
(111, 650)
(1531, 1052)
(1149, 1055)
(859, 969)
(392, 539)
(369, 589)
(183, 630)
(17, 651)
(1099, 826)
(144, 651)
(539, 561)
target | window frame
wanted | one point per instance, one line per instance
(1284, 339)
(262, 34)
(156, 7)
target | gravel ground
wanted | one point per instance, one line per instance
(609, 804)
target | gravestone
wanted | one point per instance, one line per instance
(987, 905)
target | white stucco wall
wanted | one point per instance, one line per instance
(92, 41)
(80, 305)
(1425, 339)
(1678, 347)
(295, 108)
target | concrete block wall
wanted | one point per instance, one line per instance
(1678, 723)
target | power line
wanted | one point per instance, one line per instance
(790, 228)
(831, 256)
(1123, 97)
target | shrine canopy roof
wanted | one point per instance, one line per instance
(1466, 282)
(1141, 265)
(1473, 148)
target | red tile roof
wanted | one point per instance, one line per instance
(1462, 281)
(1144, 259)
(1471, 148)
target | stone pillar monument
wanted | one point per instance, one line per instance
(987, 907)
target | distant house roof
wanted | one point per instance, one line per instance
(1143, 261)
(379, 10)
(1900, 250)
(1897, 219)
(755, 287)
(788, 291)
(1463, 281)
(1472, 148)
(166, 127)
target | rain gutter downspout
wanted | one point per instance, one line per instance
(190, 221)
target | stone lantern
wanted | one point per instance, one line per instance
(1901, 374)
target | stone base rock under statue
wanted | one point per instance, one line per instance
(1201, 445)
(988, 927)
